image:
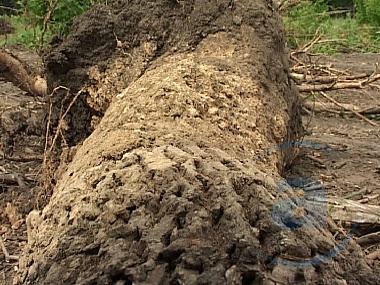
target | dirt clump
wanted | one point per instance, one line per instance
(165, 189)
(113, 45)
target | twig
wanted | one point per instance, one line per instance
(372, 97)
(337, 85)
(316, 159)
(325, 107)
(18, 238)
(328, 79)
(369, 239)
(357, 193)
(47, 19)
(370, 111)
(374, 255)
(354, 112)
(7, 256)
(23, 158)
(308, 46)
(61, 120)
(12, 179)
(9, 8)
(369, 198)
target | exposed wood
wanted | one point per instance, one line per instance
(371, 111)
(12, 179)
(25, 158)
(369, 198)
(7, 256)
(357, 193)
(328, 79)
(15, 71)
(336, 85)
(326, 107)
(351, 212)
(374, 255)
(353, 111)
(368, 239)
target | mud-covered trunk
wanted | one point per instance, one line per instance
(167, 190)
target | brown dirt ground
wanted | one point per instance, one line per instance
(22, 144)
(354, 141)
(354, 164)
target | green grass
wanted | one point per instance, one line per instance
(24, 32)
(303, 23)
(338, 34)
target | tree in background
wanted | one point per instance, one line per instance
(11, 4)
(368, 11)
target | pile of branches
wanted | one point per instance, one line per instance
(315, 79)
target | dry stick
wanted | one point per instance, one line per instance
(46, 20)
(8, 179)
(354, 112)
(49, 118)
(368, 239)
(316, 159)
(12, 179)
(325, 107)
(357, 193)
(15, 238)
(338, 85)
(49, 122)
(374, 255)
(307, 67)
(339, 71)
(13, 70)
(286, 5)
(370, 111)
(313, 42)
(369, 198)
(328, 79)
(371, 96)
(24, 158)
(309, 45)
(7, 256)
(62, 118)
(9, 8)
(333, 108)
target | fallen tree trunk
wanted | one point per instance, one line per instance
(166, 189)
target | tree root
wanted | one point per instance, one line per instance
(14, 70)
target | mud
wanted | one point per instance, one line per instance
(164, 189)
(90, 57)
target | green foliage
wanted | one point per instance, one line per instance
(59, 14)
(303, 21)
(368, 11)
(339, 33)
(38, 20)
(5, 4)
(23, 32)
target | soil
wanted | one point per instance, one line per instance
(353, 163)
(22, 145)
(163, 190)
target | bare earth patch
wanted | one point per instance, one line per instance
(163, 190)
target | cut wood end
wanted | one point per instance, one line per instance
(40, 85)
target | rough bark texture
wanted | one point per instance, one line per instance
(166, 190)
